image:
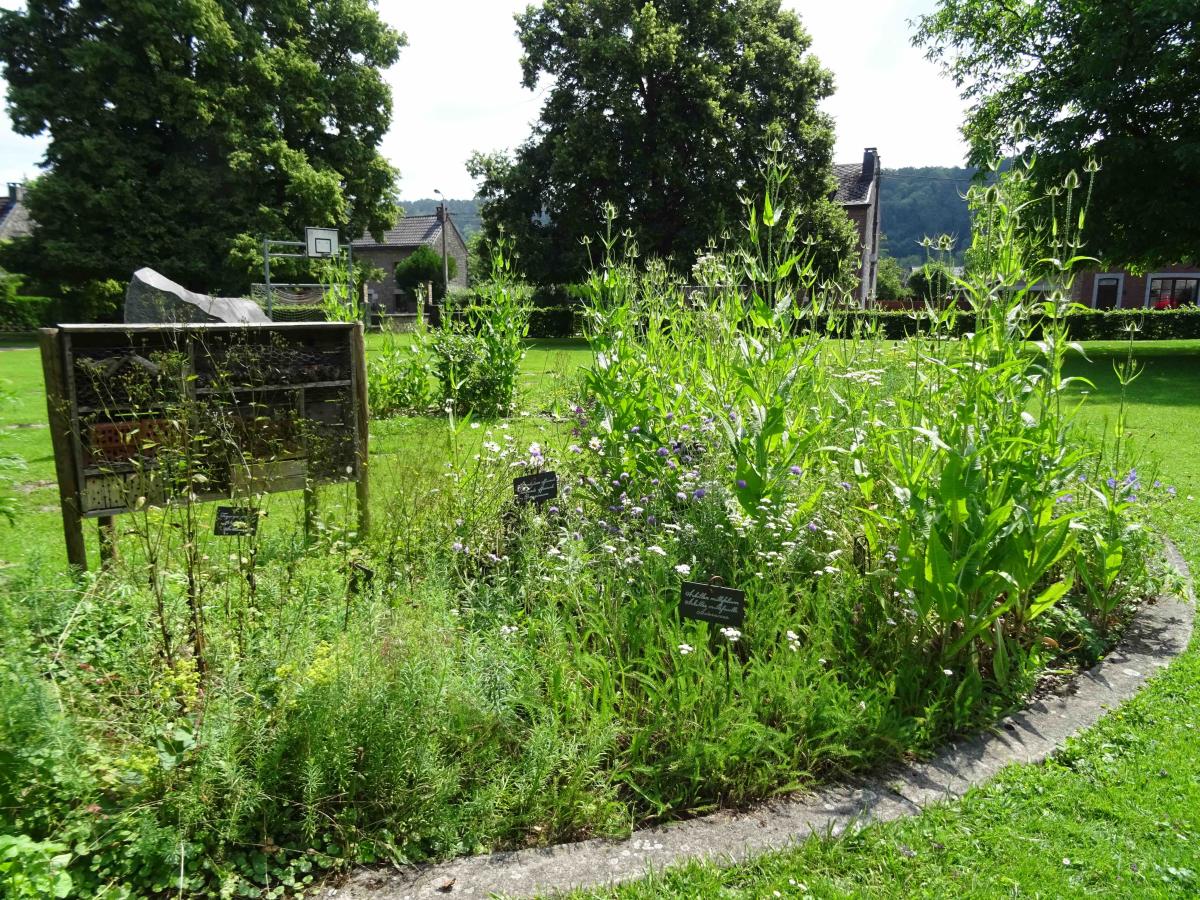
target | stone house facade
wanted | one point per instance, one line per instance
(398, 244)
(858, 194)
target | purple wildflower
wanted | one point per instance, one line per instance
(741, 483)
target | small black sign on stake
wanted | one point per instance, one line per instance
(712, 603)
(235, 521)
(536, 488)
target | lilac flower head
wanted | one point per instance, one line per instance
(663, 451)
(698, 493)
(741, 483)
(795, 470)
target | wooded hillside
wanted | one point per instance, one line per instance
(925, 201)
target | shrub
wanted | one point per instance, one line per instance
(400, 377)
(20, 313)
(424, 265)
(478, 350)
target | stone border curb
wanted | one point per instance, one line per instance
(1158, 633)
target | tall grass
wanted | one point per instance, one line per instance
(913, 526)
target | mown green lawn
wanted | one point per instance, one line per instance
(1116, 814)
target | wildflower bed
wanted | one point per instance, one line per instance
(919, 529)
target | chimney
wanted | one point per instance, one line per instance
(16, 192)
(870, 162)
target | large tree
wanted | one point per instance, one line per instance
(184, 131)
(1117, 81)
(662, 109)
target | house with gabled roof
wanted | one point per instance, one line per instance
(397, 244)
(858, 194)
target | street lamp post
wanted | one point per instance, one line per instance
(445, 259)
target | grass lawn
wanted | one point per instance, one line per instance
(1116, 814)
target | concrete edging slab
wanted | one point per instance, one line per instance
(1158, 633)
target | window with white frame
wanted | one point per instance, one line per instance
(1173, 290)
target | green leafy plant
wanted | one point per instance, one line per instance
(33, 869)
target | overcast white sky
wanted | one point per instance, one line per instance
(887, 95)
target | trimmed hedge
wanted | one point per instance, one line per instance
(1082, 325)
(553, 322)
(21, 313)
(557, 314)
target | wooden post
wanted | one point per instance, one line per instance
(358, 355)
(108, 541)
(64, 454)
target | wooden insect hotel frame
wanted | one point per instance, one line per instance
(155, 415)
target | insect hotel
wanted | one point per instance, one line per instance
(152, 415)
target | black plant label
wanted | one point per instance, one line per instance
(233, 521)
(536, 488)
(712, 603)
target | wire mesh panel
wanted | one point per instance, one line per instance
(291, 302)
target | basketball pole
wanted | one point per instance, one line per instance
(267, 276)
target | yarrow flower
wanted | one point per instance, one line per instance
(793, 640)
(684, 569)
(685, 649)
(731, 634)
(507, 630)
(654, 548)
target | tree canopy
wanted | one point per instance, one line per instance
(184, 131)
(663, 110)
(1117, 81)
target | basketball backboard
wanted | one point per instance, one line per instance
(321, 242)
